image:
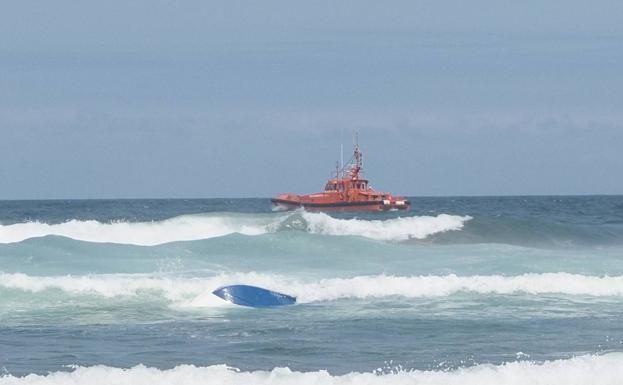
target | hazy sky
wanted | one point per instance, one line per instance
(153, 98)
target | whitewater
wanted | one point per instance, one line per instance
(487, 290)
(193, 227)
(360, 287)
(605, 370)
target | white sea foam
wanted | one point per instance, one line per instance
(398, 229)
(193, 227)
(183, 228)
(197, 292)
(587, 369)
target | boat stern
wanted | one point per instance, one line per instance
(395, 203)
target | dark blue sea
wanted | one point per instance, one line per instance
(460, 290)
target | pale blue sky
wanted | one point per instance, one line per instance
(212, 99)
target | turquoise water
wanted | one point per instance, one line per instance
(459, 290)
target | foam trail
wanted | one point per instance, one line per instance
(194, 227)
(588, 369)
(197, 291)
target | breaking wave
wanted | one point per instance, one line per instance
(398, 229)
(604, 369)
(194, 227)
(197, 291)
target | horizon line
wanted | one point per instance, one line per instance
(259, 197)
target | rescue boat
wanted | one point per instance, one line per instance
(345, 191)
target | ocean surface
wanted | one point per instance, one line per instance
(475, 290)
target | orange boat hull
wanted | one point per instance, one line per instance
(295, 202)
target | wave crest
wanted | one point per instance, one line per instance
(398, 229)
(195, 227)
(197, 292)
(604, 369)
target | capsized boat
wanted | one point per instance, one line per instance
(346, 191)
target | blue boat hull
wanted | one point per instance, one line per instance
(253, 296)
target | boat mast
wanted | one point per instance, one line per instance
(354, 171)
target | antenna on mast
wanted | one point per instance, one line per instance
(358, 157)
